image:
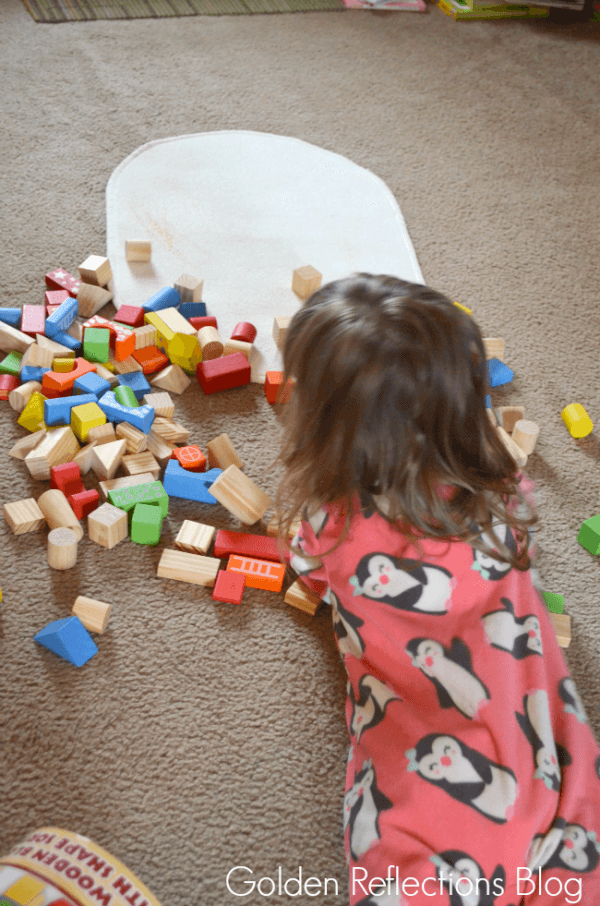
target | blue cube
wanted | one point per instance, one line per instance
(193, 310)
(11, 316)
(138, 383)
(92, 383)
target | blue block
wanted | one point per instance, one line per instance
(58, 411)
(62, 318)
(193, 310)
(32, 373)
(499, 373)
(65, 339)
(140, 418)
(92, 383)
(488, 402)
(68, 638)
(180, 482)
(138, 383)
(168, 297)
(11, 316)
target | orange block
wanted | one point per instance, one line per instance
(259, 573)
(191, 458)
(64, 380)
(122, 340)
(151, 359)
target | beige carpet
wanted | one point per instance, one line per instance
(201, 736)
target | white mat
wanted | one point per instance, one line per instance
(241, 211)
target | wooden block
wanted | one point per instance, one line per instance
(258, 546)
(190, 457)
(244, 332)
(525, 434)
(273, 527)
(223, 373)
(151, 358)
(55, 380)
(135, 439)
(494, 348)
(102, 434)
(62, 364)
(32, 416)
(303, 598)
(189, 288)
(27, 444)
(210, 343)
(508, 416)
(13, 340)
(195, 537)
(127, 481)
(175, 323)
(62, 279)
(33, 319)
(91, 299)
(131, 316)
(515, 451)
(58, 446)
(173, 378)
(162, 404)
(24, 516)
(305, 281)
(221, 454)
(93, 614)
(231, 346)
(138, 250)
(58, 512)
(84, 458)
(492, 417)
(20, 396)
(127, 366)
(139, 463)
(110, 376)
(229, 587)
(84, 502)
(170, 431)
(160, 449)
(62, 548)
(145, 336)
(240, 495)
(37, 357)
(186, 567)
(106, 459)
(8, 383)
(107, 526)
(263, 574)
(280, 326)
(95, 270)
(562, 628)
(57, 349)
(86, 418)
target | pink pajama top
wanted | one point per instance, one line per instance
(473, 775)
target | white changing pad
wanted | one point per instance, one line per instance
(241, 211)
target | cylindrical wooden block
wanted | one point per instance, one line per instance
(93, 614)
(62, 548)
(58, 512)
(210, 343)
(138, 250)
(20, 396)
(525, 434)
(244, 331)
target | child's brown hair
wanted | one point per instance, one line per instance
(388, 403)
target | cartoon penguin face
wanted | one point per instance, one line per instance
(384, 579)
(429, 654)
(447, 762)
(573, 853)
(532, 626)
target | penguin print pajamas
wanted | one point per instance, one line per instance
(473, 775)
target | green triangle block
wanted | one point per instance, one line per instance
(554, 603)
(589, 535)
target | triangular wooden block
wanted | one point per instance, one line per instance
(57, 349)
(106, 458)
(58, 446)
(27, 444)
(172, 378)
(91, 299)
(12, 340)
(84, 457)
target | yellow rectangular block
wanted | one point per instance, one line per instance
(63, 364)
(84, 417)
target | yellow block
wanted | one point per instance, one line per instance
(577, 420)
(32, 416)
(84, 417)
(25, 890)
(63, 364)
(184, 351)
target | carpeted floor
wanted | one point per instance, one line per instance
(202, 737)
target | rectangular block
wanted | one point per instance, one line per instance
(33, 319)
(195, 537)
(139, 463)
(245, 544)
(303, 598)
(186, 567)
(108, 525)
(138, 249)
(167, 297)
(62, 279)
(23, 516)
(223, 373)
(58, 411)
(140, 417)
(130, 315)
(60, 320)
(125, 481)
(240, 495)
(259, 573)
(58, 446)
(127, 498)
(13, 340)
(229, 587)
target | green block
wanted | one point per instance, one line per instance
(554, 603)
(589, 535)
(126, 397)
(146, 523)
(96, 343)
(152, 493)
(11, 364)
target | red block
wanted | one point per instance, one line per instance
(260, 546)
(8, 383)
(67, 478)
(224, 373)
(275, 392)
(151, 359)
(229, 587)
(33, 320)
(191, 458)
(205, 321)
(84, 502)
(244, 331)
(62, 279)
(131, 315)
(55, 297)
(64, 380)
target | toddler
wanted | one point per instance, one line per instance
(473, 775)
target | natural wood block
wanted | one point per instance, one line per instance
(240, 495)
(175, 323)
(102, 434)
(492, 417)
(58, 446)
(107, 525)
(160, 449)
(562, 628)
(303, 598)
(93, 614)
(186, 567)
(145, 336)
(515, 451)
(106, 458)
(195, 537)
(162, 404)
(172, 378)
(37, 357)
(280, 326)
(305, 281)
(91, 298)
(189, 288)
(139, 463)
(107, 375)
(126, 366)
(508, 416)
(135, 439)
(13, 340)
(221, 454)
(210, 342)
(231, 346)
(494, 348)
(57, 349)
(125, 481)
(138, 249)
(27, 444)
(273, 527)
(20, 396)
(525, 434)
(24, 516)
(170, 431)
(62, 548)
(84, 458)
(58, 512)
(96, 270)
